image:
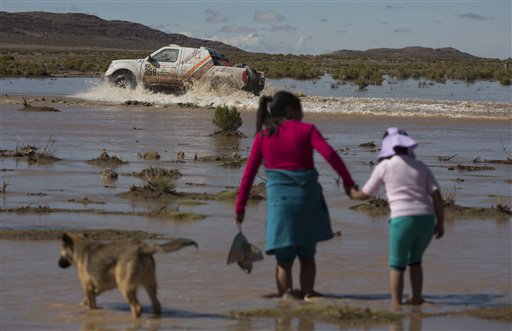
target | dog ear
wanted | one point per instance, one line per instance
(67, 240)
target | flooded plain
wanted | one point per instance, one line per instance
(469, 268)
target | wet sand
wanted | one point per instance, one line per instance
(469, 268)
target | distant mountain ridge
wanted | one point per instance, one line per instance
(40, 29)
(83, 30)
(412, 51)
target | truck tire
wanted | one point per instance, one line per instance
(256, 83)
(124, 79)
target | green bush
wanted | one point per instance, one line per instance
(361, 84)
(227, 119)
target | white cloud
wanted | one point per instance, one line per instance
(235, 28)
(302, 43)
(244, 41)
(215, 16)
(284, 28)
(185, 33)
(474, 16)
(268, 16)
(402, 30)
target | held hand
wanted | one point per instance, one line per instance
(349, 190)
(439, 231)
(358, 195)
(239, 218)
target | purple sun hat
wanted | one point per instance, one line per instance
(396, 137)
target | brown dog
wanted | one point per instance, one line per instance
(126, 264)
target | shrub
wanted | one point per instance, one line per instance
(361, 84)
(159, 180)
(505, 81)
(227, 119)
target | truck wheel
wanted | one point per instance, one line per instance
(255, 84)
(124, 80)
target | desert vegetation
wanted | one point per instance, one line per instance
(32, 154)
(57, 62)
(363, 69)
(228, 120)
(372, 69)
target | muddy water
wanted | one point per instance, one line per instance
(470, 267)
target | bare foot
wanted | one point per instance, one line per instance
(312, 296)
(292, 295)
(419, 302)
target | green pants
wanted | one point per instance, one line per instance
(409, 237)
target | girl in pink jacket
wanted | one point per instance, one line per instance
(297, 216)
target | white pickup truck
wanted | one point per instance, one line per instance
(174, 67)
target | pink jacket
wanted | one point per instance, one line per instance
(291, 149)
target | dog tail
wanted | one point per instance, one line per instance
(170, 246)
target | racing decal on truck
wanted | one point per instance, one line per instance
(191, 56)
(149, 70)
(200, 68)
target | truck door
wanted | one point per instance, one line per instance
(162, 68)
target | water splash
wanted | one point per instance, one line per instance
(200, 95)
(203, 96)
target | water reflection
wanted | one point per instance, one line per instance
(413, 321)
(118, 317)
(285, 324)
(226, 145)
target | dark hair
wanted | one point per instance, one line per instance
(273, 110)
(400, 150)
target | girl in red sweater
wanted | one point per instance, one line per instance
(297, 216)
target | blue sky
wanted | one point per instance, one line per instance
(481, 28)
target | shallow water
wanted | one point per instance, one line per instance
(323, 87)
(469, 267)
(404, 98)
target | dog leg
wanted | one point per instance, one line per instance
(90, 297)
(151, 289)
(130, 295)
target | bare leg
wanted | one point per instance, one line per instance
(284, 277)
(396, 279)
(416, 275)
(307, 275)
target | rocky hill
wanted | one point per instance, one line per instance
(83, 30)
(43, 29)
(414, 51)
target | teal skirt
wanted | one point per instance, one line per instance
(296, 211)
